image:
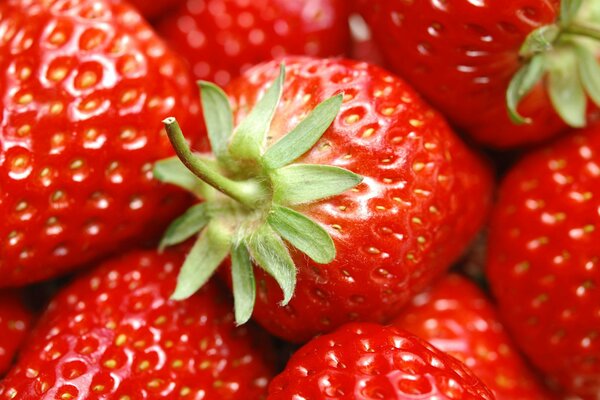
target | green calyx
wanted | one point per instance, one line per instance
(249, 194)
(565, 55)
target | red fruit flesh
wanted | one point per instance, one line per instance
(456, 317)
(15, 320)
(543, 261)
(411, 217)
(461, 55)
(368, 361)
(83, 87)
(115, 334)
(222, 38)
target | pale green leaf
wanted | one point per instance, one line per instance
(172, 170)
(304, 135)
(271, 254)
(217, 116)
(209, 251)
(569, 10)
(566, 92)
(304, 183)
(540, 41)
(302, 233)
(244, 287)
(186, 226)
(522, 83)
(589, 71)
(250, 135)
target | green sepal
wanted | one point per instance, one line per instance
(589, 72)
(209, 251)
(185, 226)
(217, 116)
(270, 253)
(304, 183)
(522, 83)
(250, 135)
(244, 287)
(304, 136)
(566, 91)
(173, 171)
(302, 233)
(569, 10)
(540, 41)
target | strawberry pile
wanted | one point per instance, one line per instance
(300, 200)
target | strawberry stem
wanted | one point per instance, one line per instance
(248, 193)
(581, 30)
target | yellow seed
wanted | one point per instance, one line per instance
(24, 130)
(25, 99)
(368, 132)
(121, 339)
(110, 363)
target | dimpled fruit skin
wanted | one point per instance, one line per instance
(456, 317)
(409, 219)
(222, 38)
(15, 320)
(544, 262)
(369, 361)
(84, 85)
(114, 334)
(461, 56)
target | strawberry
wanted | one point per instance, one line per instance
(472, 59)
(155, 9)
(222, 38)
(15, 320)
(83, 85)
(115, 334)
(363, 202)
(457, 318)
(366, 361)
(543, 261)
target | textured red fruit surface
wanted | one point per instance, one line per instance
(543, 261)
(155, 9)
(222, 38)
(407, 221)
(457, 318)
(83, 87)
(114, 334)
(461, 56)
(15, 321)
(368, 361)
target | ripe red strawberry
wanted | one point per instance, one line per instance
(155, 9)
(83, 86)
(368, 361)
(15, 320)
(543, 260)
(462, 55)
(115, 334)
(222, 38)
(457, 318)
(356, 254)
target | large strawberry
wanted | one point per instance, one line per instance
(222, 38)
(544, 260)
(114, 334)
(83, 86)
(369, 361)
(457, 318)
(291, 199)
(469, 57)
(155, 9)
(15, 320)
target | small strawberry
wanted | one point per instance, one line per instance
(346, 191)
(15, 320)
(222, 38)
(368, 361)
(114, 334)
(489, 64)
(457, 318)
(83, 85)
(544, 259)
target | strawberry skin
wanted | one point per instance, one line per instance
(15, 320)
(222, 38)
(115, 334)
(543, 262)
(404, 225)
(369, 361)
(83, 86)
(155, 9)
(461, 55)
(456, 317)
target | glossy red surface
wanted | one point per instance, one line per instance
(15, 322)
